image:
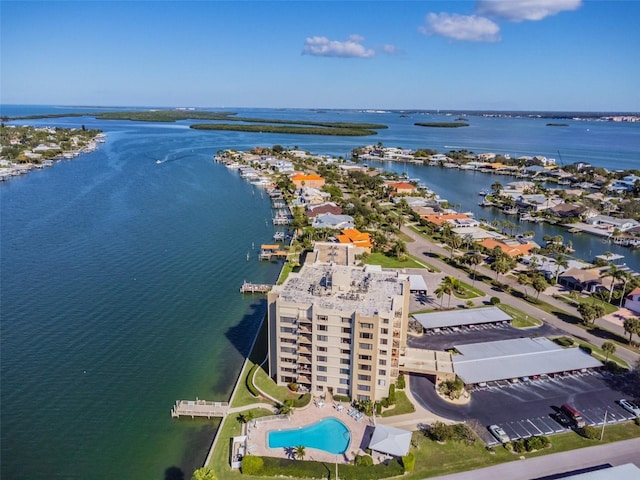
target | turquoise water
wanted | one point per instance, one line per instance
(329, 434)
(119, 280)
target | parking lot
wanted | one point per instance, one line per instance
(529, 408)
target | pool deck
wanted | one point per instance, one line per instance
(257, 435)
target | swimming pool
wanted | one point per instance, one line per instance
(329, 434)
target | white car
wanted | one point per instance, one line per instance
(630, 407)
(499, 433)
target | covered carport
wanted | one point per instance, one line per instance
(462, 318)
(480, 363)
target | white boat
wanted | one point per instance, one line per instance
(158, 161)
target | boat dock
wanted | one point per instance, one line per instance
(254, 287)
(199, 408)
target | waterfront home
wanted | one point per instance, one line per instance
(519, 186)
(329, 220)
(355, 237)
(454, 219)
(477, 233)
(311, 196)
(548, 266)
(632, 301)
(326, 207)
(537, 202)
(511, 247)
(311, 180)
(625, 184)
(588, 280)
(605, 222)
(570, 210)
(402, 188)
(413, 201)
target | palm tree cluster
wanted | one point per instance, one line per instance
(448, 286)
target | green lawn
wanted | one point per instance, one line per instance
(598, 353)
(402, 406)
(267, 385)
(520, 319)
(391, 262)
(608, 308)
(468, 292)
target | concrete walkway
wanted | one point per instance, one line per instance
(422, 249)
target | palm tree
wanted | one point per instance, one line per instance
(454, 242)
(450, 285)
(611, 272)
(300, 452)
(539, 284)
(625, 277)
(440, 291)
(561, 261)
(500, 266)
(474, 259)
(631, 326)
(524, 280)
(609, 348)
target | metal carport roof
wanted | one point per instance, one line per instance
(458, 318)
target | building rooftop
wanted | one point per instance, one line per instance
(337, 287)
(457, 318)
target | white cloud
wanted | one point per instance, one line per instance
(390, 49)
(461, 27)
(323, 47)
(520, 10)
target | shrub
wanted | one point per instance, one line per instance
(392, 394)
(252, 465)
(462, 433)
(400, 383)
(385, 402)
(378, 408)
(409, 462)
(535, 443)
(589, 432)
(586, 349)
(363, 461)
(250, 386)
(439, 431)
(341, 398)
(564, 341)
(519, 446)
(293, 386)
(494, 300)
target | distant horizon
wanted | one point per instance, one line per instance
(363, 109)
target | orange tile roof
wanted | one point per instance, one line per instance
(511, 250)
(402, 186)
(440, 218)
(306, 176)
(356, 237)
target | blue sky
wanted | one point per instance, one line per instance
(488, 54)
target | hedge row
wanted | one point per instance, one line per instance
(271, 466)
(250, 386)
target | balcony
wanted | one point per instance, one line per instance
(304, 349)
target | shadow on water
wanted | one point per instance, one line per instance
(197, 444)
(173, 473)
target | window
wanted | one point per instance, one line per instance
(364, 357)
(382, 352)
(322, 349)
(287, 350)
(321, 368)
(344, 381)
(346, 330)
(321, 358)
(287, 360)
(343, 391)
(290, 341)
(322, 338)
(344, 371)
(364, 388)
(382, 361)
(382, 372)
(287, 320)
(385, 321)
(365, 346)
(346, 340)
(323, 328)
(367, 336)
(383, 341)
(345, 351)
(384, 331)
(345, 361)
(364, 367)
(321, 378)
(364, 378)
(287, 330)
(346, 319)
(322, 318)
(382, 383)
(366, 325)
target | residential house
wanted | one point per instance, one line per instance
(453, 219)
(632, 301)
(585, 280)
(359, 239)
(310, 180)
(568, 210)
(605, 222)
(326, 207)
(402, 188)
(329, 220)
(511, 247)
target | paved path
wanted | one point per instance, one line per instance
(617, 453)
(422, 249)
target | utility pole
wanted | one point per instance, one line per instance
(604, 422)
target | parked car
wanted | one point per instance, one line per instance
(499, 433)
(630, 407)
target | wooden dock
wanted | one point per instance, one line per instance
(199, 408)
(254, 287)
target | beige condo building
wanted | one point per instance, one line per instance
(339, 329)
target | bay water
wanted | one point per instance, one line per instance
(119, 276)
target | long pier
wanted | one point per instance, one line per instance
(199, 408)
(254, 287)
